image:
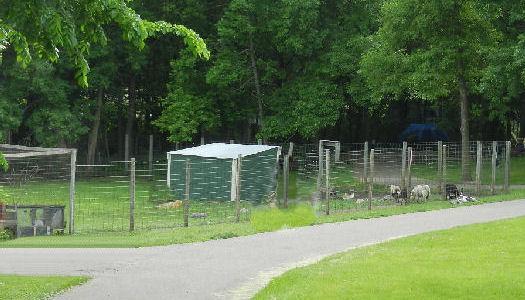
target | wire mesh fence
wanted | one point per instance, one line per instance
(154, 193)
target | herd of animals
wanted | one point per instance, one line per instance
(418, 193)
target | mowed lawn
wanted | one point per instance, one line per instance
(483, 261)
(15, 287)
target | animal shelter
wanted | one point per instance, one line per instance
(216, 170)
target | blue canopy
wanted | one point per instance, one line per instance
(423, 133)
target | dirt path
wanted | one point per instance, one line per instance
(234, 268)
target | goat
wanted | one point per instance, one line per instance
(420, 192)
(452, 191)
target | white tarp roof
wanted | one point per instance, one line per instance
(221, 150)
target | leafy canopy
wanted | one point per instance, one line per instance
(48, 29)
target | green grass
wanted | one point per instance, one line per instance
(453, 172)
(15, 287)
(275, 219)
(484, 261)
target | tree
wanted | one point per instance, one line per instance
(48, 28)
(431, 50)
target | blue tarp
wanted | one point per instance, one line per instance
(423, 133)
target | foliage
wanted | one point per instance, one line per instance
(5, 234)
(72, 27)
(456, 263)
(17, 287)
(3, 163)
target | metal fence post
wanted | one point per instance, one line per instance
(72, 180)
(132, 196)
(494, 161)
(186, 203)
(371, 181)
(238, 190)
(327, 183)
(507, 166)
(286, 170)
(479, 157)
(365, 163)
(440, 166)
(444, 171)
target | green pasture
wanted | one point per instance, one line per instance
(16, 287)
(483, 261)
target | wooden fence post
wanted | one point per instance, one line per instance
(327, 186)
(290, 149)
(494, 161)
(232, 141)
(404, 166)
(365, 163)
(371, 181)
(238, 190)
(320, 170)
(507, 166)
(132, 196)
(259, 142)
(440, 166)
(286, 171)
(186, 203)
(409, 169)
(72, 180)
(444, 173)
(479, 157)
(150, 155)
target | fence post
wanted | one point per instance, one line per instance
(365, 163)
(337, 157)
(321, 168)
(507, 166)
(479, 157)
(126, 150)
(259, 142)
(327, 186)
(290, 149)
(403, 166)
(232, 141)
(238, 190)
(177, 146)
(72, 180)
(202, 140)
(440, 166)
(444, 173)
(132, 183)
(494, 160)
(186, 203)
(371, 181)
(409, 169)
(286, 171)
(150, 154)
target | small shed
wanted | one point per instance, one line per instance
(213, 170)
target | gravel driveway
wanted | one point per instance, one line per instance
(234, 268)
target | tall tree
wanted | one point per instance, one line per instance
(431, 50)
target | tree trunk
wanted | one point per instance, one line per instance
(131, 113)
(256, 83)
(465, 140)
(93, 134)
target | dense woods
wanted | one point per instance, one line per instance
(85, 73)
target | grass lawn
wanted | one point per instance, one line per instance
(16, 287)
(261, 220)
(517, 171)
(483, 261)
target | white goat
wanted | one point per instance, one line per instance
(420, 192)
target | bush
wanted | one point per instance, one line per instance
(5, 235)
(270, 219)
